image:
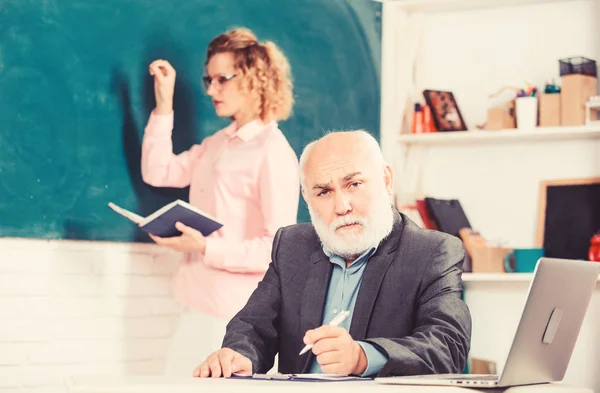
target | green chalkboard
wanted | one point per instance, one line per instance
(75, 96)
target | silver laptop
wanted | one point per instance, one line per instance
(559, 295)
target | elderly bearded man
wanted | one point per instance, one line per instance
(401, 284)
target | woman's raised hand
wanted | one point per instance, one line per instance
(164, 85)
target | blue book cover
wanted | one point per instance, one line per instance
(162, 222)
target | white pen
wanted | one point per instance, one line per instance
(334, 322)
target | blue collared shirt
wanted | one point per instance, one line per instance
(341, 296)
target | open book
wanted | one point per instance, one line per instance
(162, 222)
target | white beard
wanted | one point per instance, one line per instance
(350, 245)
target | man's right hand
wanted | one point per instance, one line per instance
(224, 362)
(164, 85)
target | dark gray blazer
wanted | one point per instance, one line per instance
(409, 303)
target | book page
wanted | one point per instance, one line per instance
(157, 213)
(126, 213)
(179, 202)
(195, 209)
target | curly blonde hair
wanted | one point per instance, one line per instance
(266, 71)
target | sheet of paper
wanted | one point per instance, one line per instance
(308, 377)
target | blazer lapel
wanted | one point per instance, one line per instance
(313, 298)
(373, 276)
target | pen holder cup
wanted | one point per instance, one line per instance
(527, 113)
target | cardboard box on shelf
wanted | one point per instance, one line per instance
(576, 89)
(550, 110)
(486, 259)
(499, 119)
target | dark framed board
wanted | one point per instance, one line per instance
(568, 216)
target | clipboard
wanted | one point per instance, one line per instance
(448, 215)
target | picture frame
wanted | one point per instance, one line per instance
(444, 110)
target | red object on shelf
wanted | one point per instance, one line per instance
(425, 215)
(594, 253)
(417, 126)
(428, 125)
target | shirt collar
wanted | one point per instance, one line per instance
(358, 262)
(247, 131)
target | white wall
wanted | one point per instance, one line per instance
(69, 308)
(498, 186)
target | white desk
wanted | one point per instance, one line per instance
(115, 384)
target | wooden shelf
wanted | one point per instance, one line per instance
(509, 135)
(457, 5)
(497, 277)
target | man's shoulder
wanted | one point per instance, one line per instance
(298, 236)
(296, 244)
(423, 251)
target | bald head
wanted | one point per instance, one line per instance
(343, 145)
(347, 187)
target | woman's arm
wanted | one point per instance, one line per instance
(160, 167)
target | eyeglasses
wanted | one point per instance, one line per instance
(221, 80)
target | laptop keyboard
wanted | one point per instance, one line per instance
(477, 377)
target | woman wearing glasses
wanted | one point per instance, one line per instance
(245, 175)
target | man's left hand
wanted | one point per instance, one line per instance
(336, 351)
(190, 240)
